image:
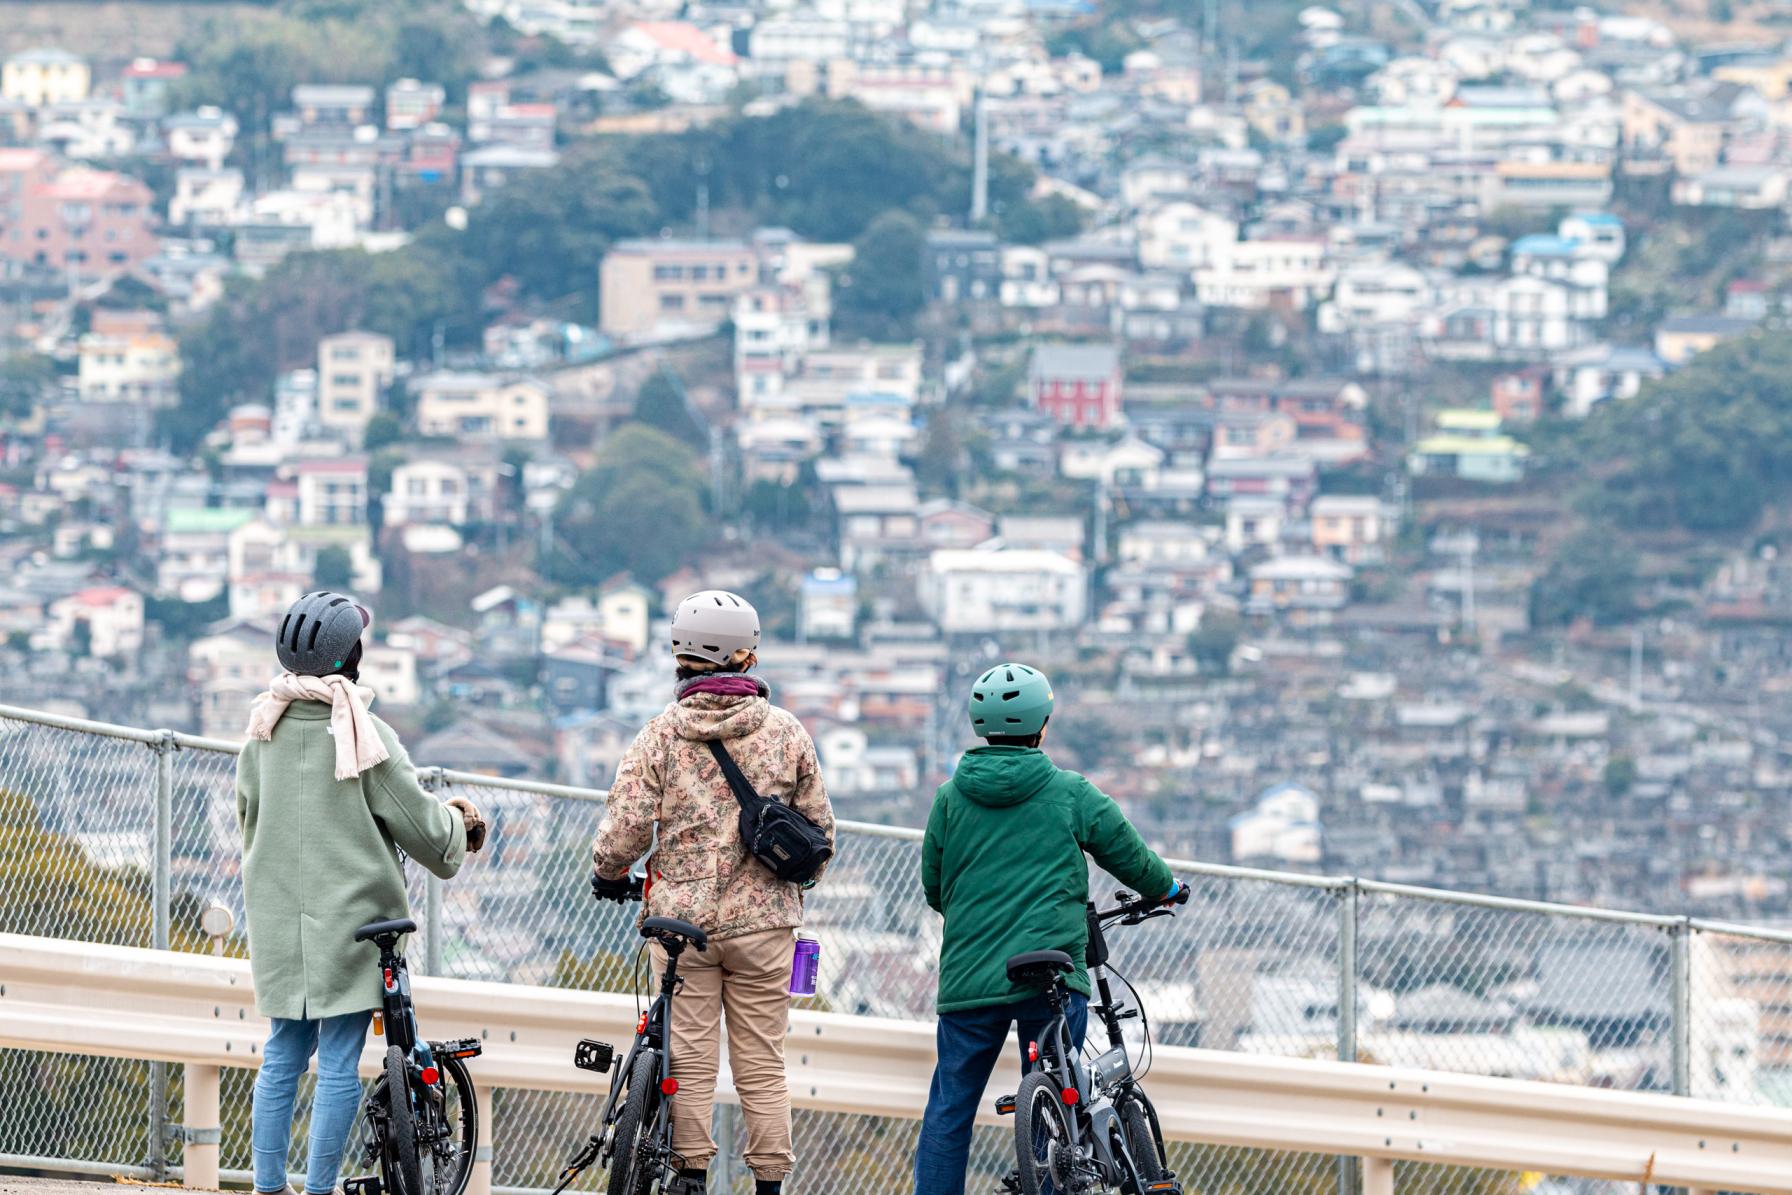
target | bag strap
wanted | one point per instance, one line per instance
(737, 781)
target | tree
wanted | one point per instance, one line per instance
(883, 289)
(1620, 775)
(1594, 577)
(941, 465)
(661, 403)
(25, 378)
(334, 568)
(1215, 639)
(382, 430)
(637, 509)
(1053, 218)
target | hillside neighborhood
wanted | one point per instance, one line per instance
(1240, 372)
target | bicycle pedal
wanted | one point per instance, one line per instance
(591, 1055)
(368, 1184)
(466, 1047)
(1010, 1184)
(1168, 1186)
(1005, 1106)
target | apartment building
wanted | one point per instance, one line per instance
(652, 288)
(479, 406)
(353, 371)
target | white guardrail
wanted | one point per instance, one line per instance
(198, 1011)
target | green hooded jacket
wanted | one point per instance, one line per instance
(1003, 862)
(318, 862)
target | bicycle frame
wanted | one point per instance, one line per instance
(654, 1032)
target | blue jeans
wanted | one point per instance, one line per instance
(969, 1044)
(337, 1042)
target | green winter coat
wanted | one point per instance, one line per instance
(318, 862)
(1003, 862)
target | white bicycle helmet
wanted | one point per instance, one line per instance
(713, 625)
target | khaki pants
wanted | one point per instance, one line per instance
(748, 979)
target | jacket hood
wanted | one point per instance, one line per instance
(701, 717)
(1000, 776)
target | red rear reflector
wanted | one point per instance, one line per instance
(388, 973)
(669, 1086)
(431, 1076)
(642, 1026)
(1032, 1051)
(1069, 1095)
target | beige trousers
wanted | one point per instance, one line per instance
(747, 979)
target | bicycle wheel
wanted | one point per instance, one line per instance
(629, 1174)
(399, 1144)
(1043, 1143)
(1142, 1141)
(445, 1151)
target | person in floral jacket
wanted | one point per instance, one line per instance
(702, 873)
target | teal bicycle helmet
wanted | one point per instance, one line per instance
(1011, 700)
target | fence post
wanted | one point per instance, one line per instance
(725, 1167)
(1348, 897)
(1680, 1019)
(430, 779)
(161, 904)
(201, 1134)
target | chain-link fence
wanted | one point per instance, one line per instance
(124, 836)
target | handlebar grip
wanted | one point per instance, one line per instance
(1181, 897)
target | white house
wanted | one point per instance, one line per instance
(205, 196)
(204, 137)
(997, 590)
(476, 406)
(108, 618)
(1283, 827)
(1281, 271)
(1179, 235)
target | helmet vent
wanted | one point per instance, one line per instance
(1011, 694)
(337, 601)
(284, 624)
(297, 629)
(1011, 676)
(317, 624)
(976, 697)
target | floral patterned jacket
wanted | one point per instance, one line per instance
(700, 871)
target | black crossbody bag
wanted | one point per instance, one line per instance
(789, 845)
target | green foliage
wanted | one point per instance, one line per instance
(661, 404)
(1594, 577)
(1213, 642)
(334, 568)
(884, 288)
(383, 430)
(1108, 42)
(1052, 218)
(642, 478)
(25, 378)
(185, 620)
(1620, 775)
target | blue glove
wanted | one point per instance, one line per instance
(1178, 894)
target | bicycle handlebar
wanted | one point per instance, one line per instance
(603, 889)
(1130, 906)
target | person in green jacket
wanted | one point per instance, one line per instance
(324, 795)
(1003, 861)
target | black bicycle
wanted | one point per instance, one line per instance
(1081, 1130)
(421, 1122)
(634, 1133)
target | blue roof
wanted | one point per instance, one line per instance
(1605, 218)
(1542, 244)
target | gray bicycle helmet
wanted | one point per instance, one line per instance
(713, 625)
(319, 632)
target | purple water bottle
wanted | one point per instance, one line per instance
(804, 965)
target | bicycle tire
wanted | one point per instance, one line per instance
(402, 1174)
(1039, 1124)
(463, 1111)
(1146, 1148)
(637, 1106)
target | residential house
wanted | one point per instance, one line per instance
(205, 197)
(1526, 184)
(1680, 338)
(1689, 126)
(1599, 372)
(1304, 588)
(138, 366)
(353, 371)
(1283, 273)
(1748, 188)
(1326, 415)
(1517, 394)
(875, 520)
(331, 493)
(333, 105)
(204, 136)
(105, 622)
(144, 85)
(226, 668)
(1001, 590)
(665, 287)
(44, 76)
(1597, 234)
(75, 221)
(1077, 385)
(1282, 828)
(963, 266)
(411, 104)
(1560, 259)
(1349, 527)
(828, 606)
(492, 167)
(391, 673)
(479, 406)
(442, 491)
(193, 557)
(1176, 234)
(1470, 445)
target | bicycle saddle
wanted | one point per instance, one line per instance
(1034, 964)
(655, 927)
(374, 930)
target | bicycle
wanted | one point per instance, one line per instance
(634, 1134)
(422, 1116)
(1078, 1130)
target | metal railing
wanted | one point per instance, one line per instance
(121, 835)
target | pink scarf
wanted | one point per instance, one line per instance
(723, 684)
(358, 745)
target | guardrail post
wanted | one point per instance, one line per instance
(161, 903)
(724, 1172)
(1348, 898)
(1378, 1176)
(201, 1134)
(1680, 1018)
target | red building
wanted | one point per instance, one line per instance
(1078, 385)
(90, 223)
(1518, 395)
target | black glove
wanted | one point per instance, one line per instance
(621, 891)
(1178, 894)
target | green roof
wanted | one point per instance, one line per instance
(1448, 445)
(206, 518)
(1468, 419)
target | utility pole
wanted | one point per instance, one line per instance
(1636, 669)
(703, 197)
(980, 160)
(1468, 583)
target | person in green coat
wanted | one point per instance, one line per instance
(1003, 862)
(325, 796)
